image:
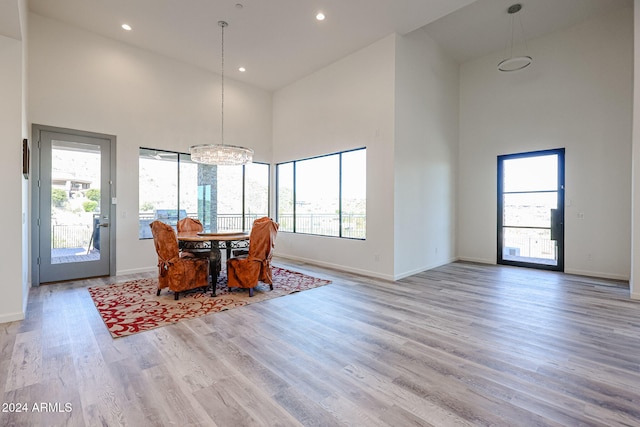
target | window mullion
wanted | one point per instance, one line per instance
(178, 185)
(340, 195)
(294, 196)
(244, 196)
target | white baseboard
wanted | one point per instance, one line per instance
(136, 271)
(478, 260)
(597, 274)
(337, 267)
(423, 268)
(363, 272)
(11, 317)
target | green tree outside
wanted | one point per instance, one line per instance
(58, 197)
(89, 206)
(93, 194)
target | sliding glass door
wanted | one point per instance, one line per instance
(531, 209)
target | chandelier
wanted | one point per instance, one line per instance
(515, 63)
(221, 154)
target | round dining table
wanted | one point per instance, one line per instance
(212, 250)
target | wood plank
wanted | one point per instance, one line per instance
(459, 345)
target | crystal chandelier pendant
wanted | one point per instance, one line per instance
(221, 154)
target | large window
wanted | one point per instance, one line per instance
(223, 198)
(324, 195)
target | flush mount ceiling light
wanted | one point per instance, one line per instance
(126, 27)
(320, 16)
(221, 154)
(515, 63)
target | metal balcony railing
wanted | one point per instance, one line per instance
(324, 224)
(353, 225)
(224, 222)
(70, 236)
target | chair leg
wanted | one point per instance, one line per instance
(158, 293)
(270, 287)
(176, 296)
(250, 292)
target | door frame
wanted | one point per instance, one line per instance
(559, 220)
(36, 131)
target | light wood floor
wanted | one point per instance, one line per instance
(462, 344)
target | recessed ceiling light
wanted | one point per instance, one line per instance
(242, 69)
(320, 16)
(126, 27)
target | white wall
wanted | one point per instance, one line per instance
(577, 94)
(635, 195)
(348, 104)
(25, 214)
(82, 81)
(426, 150)
(14, 291)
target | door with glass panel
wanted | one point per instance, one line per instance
(531, 209)
(72, 206)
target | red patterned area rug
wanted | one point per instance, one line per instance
(131, 307)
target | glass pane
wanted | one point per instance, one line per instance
(529, 209)
(196, 181)
(317, 196)
(158, 189)
(354, 194)
(188, 203)
(539, 173)
(229, 198)
(529, 245)
(75, 202)
(256, 198)
(285, 196)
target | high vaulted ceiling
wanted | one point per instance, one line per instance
(10, 20)
(484, 26)
(280, 41)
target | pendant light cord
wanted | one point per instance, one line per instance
(512, 35)
(222, 24)
(524, 38)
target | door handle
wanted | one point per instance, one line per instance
(104, 224)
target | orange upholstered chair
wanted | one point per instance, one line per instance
(200, 249)
(176, 272)
(246, 272)
(190, 224)
(186, 225)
